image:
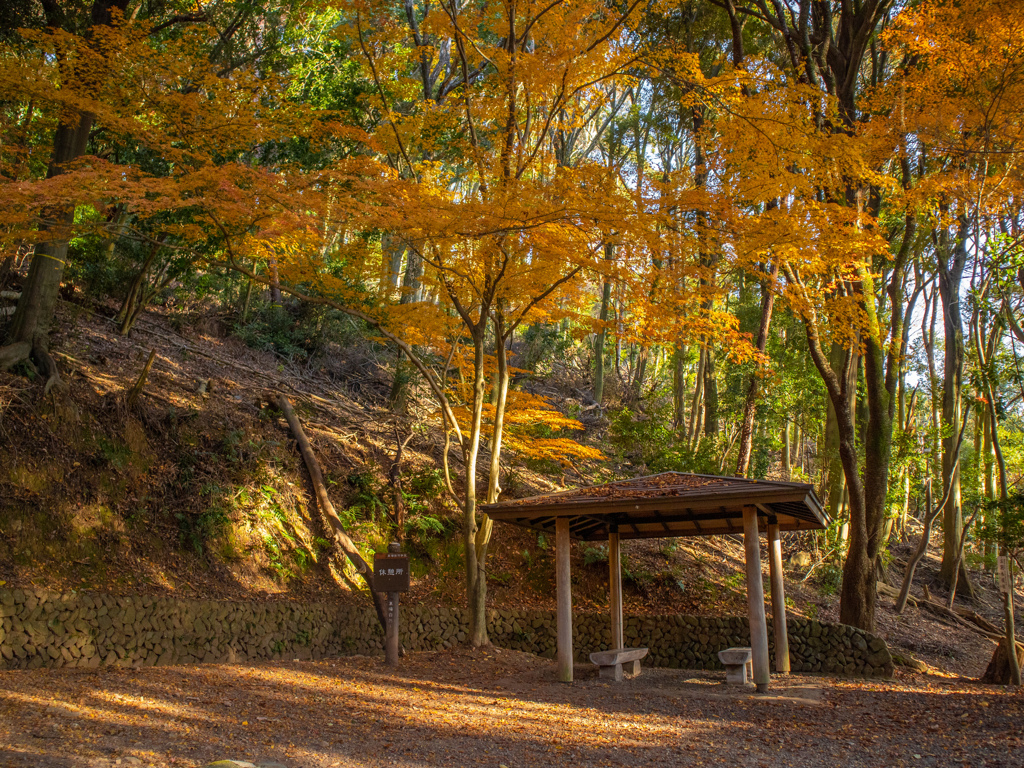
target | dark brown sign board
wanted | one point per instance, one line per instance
(390, 572)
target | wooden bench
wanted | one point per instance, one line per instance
(738, 665)
(610, 663)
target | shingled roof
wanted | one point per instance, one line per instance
(666, 505)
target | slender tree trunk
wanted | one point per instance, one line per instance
(392, 253)
(606, 297)
(928, 322)
(950, 273)
(710, 395)
(833, 493)
(797, 458)
(125, 315)
(398, 398)
(642, 357)
(695, 405)
(476, 582)
(989, 458)
(679, 386)
(1010, 637)
(501, 379)
(753, 389)
(276, 300)
(246, 301)
(787, 460)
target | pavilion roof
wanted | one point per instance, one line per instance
(666, 505)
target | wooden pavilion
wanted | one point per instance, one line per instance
(663, 506)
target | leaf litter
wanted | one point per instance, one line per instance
(493, 707)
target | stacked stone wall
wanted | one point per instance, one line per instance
(40, 628)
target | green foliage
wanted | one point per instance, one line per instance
(427, 483)
(366, 497)
(195, 531)
(500, 578)
(595, 555)
(829, 579)
(277, 557)
(542, 343)
(274, 329)
(648, 439)
(116, 453)
(298, 332)
(1004, 523)
(644, 438)
(423, 525)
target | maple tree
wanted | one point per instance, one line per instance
(671, 192)
(502, 228)
(167, 97)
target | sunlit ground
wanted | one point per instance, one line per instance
(492, 708)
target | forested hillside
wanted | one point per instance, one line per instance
(493, 249)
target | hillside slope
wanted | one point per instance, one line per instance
(196, 489)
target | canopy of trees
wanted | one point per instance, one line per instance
(777, 237)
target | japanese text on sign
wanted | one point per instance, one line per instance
(1003, 573)
(391, 573)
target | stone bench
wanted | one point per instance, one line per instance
(738, 665)
(610, 663)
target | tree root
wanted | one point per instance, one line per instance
(24, 352)
(49, 369)
(14, 353)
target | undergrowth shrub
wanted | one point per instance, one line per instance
(649, 439)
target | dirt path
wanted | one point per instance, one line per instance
(494, 708)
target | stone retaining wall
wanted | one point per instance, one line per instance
(40, 628)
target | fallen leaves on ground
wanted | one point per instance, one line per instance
(490, 707)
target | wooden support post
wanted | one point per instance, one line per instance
(391, 638)
(615, 588)
(755, 600)
(563, 590)
(778, 599)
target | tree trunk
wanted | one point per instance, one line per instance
(30, 328)
(476, 582)
(501, 380)
(753, 390)
(392, 252)
(989, 458)
(606, 297)
(710, 395)
(135, 298)
(787, 453)
(857, 596)
(276, 300)
(679, 386)
(998, 671)
(950, 275)
(833, 492)
(399, 396)
(642, 358)
(341, 536)
(1010, 637)
(696, 403)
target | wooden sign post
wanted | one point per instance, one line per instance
(1003, 579)
(391, 575)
